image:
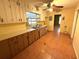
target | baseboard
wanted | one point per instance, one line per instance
(75, 52)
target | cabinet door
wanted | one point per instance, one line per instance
(13, 9)
(20, 42)
(24, 15)
(25, 38)
(8, 11)
(2, 13)
(22, 11)
(31, 37)
(17, 12)
(21, 14)
(36, 35)
(13, 42)
(5, 52)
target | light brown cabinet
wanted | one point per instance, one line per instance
(17, 12)
(8, 11)
(11, 11)
(5, 52)
(22, 11)
(2, 13)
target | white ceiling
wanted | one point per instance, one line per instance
(65, 3)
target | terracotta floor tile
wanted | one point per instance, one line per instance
(50, 46)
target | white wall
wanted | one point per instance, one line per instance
(76, 34)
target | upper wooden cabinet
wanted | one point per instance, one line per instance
(22, 11)
(3, 18)
(11, 11)
(18, 11)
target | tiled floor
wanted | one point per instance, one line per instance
(50, 46)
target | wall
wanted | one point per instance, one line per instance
(7, 30)
(68, 21)
(68, 15)
(76, 34)
(50, 24)
(41, 22)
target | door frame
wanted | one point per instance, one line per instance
(75, 24)
(54, 17)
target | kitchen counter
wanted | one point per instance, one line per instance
(6, 36)
(9, 35)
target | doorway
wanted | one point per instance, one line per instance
(57, 21)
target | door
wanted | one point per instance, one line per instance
(56, 20)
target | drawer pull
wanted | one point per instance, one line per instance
(2, 20)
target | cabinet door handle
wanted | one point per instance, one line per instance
(19, 19)
(2, 20)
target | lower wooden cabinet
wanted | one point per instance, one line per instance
(20, 42)
(31, 37)
(36, 35)
(43, 31)
(5, 52)
(25, 39)
(12, 46)
(13, 43)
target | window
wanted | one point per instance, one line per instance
(33, 18)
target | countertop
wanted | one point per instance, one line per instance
(9, 35)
